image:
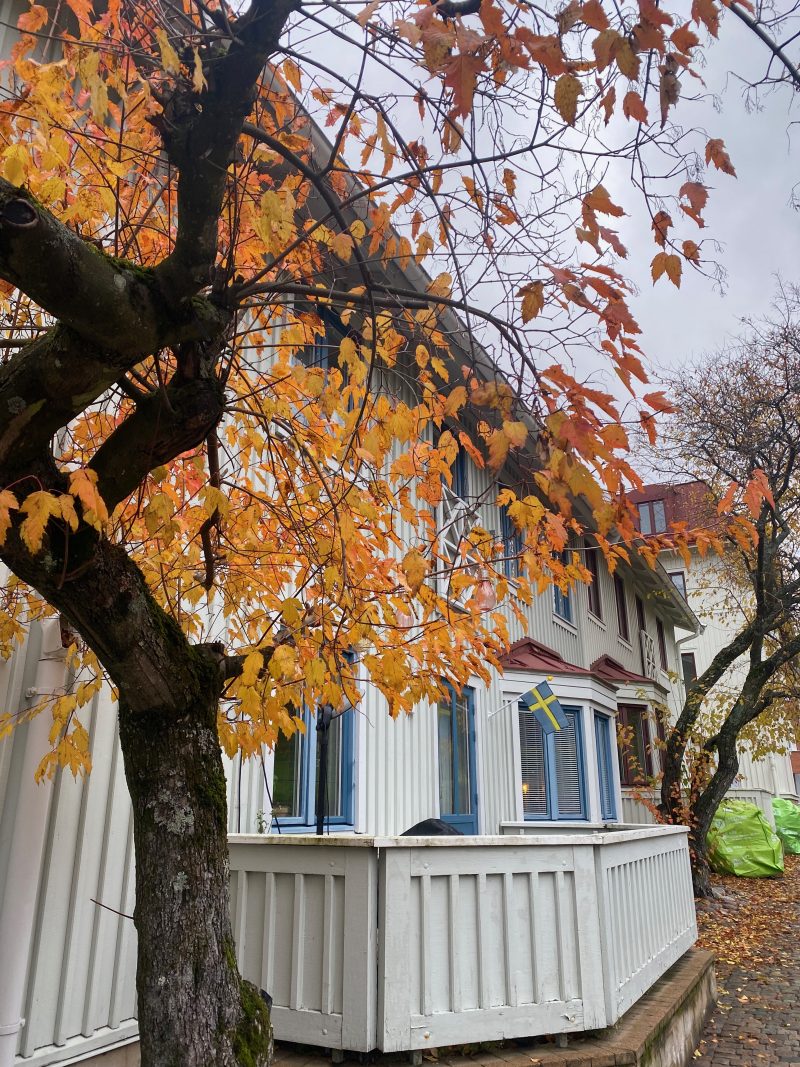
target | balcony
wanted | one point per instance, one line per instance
(412, 943)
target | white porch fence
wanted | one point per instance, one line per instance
(408, 943)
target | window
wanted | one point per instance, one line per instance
(552, 768)
(323, 352)
(513, 544)
(295, 772)
(652, 517)
(636, 763)
(461, 474)
(458, 796)
(689, 668)
(662, 645)
(623, 626)
(605, 771)
(641, 621)
(592, 553)
(679, 581)
(562, 601)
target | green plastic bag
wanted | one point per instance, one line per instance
(787, 824)
(742, 842)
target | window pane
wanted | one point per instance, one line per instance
(568, 770)
(286, 776)
(333, 792)
(679, 581)
(463, 784)
(659, 516)
(593, 567)
(622, 608)
(644, 519)
(534, 784)
(662, 645)
(446, 797)
(689, 668)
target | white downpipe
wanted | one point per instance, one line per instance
(25, 855)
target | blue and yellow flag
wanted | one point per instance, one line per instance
(544, 704)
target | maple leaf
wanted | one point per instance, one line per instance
(532, 300)
(516, 432)
(415, 568)
(38, 509)
(684, 38)
(627, 59)
(599, 200)
(593, 14)
(691, 251)
(707, 13)
(716, 154)
(604, 47)
(460, 76)
(664, 263)
(658, 401)
(661, 224)
(8, 503)
(697, 195)
(633, 107)
(565, 96)
(169, 57)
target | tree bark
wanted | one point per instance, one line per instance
(194, 1009)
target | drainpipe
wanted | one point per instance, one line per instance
(27, 845)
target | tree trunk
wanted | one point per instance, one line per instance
(194, 1009)
(704, 808)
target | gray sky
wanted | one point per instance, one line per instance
(751, 215)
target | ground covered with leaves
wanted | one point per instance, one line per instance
(752, 921)
(753, 926)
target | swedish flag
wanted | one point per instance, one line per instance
(544, 704)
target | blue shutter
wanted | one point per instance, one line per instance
(602, 733)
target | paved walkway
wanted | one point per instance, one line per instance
(757, 1021)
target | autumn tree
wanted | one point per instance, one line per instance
(176, 235)
(738, 416)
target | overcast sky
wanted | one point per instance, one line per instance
(752, 213)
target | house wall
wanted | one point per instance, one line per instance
(721, 617)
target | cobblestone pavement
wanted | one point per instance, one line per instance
(757, 1020)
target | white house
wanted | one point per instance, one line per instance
(549, 915)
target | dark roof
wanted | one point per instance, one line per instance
(530, 655)
(610, 670)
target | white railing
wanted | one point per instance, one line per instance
(649, 663)
(404, 943)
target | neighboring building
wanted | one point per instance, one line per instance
(706, 588)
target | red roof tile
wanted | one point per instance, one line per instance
(611, 671)
(530, 655)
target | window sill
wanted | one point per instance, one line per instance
(596, 620)
(565, 624)
(625, 643)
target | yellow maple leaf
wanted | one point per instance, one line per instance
(169, 57)
(8, 503)
(415, 567)
(38, 509)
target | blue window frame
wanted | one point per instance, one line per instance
(605, 769)
(294, 775)
(562, 602)
(513, 545)
(458, 787)
(553, 774)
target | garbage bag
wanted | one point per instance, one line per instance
(787, 823)
(742, 842)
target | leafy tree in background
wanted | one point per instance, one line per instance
(738, 416)
(175, 232)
